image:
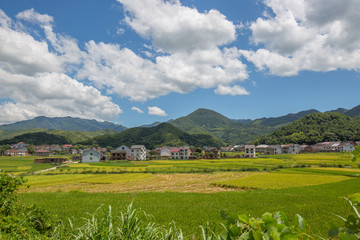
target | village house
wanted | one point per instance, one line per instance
(290, 149)
(273, 150)
(91, 155)
(346, 147)
(11, 152)
(306, 149)
(138, 153)
(121, 153)
(55, 147)
(180, 153)
(42, 153)
(261, 148)
(250, 151)
(19, 145)
(212, 153)
(23, 152)
(164, 152)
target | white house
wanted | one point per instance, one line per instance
(138, 153)
(347, 147)
(291, 148)
(165, 152)
(90, 156)
(250, 151)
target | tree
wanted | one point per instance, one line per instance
(30, 149)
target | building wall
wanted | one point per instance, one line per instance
(91, 156)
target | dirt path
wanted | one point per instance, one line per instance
(53, 168)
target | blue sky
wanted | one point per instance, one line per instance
(134, 62)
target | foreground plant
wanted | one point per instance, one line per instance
(131, 224)
(351, 228)
(269, 226)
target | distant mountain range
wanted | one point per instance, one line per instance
(163, 134)
(201, 127)
(62, 123)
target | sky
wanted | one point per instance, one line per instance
(134, 62)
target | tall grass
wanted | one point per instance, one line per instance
(131, 224)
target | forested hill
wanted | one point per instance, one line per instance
(213, 123)
(162, 135)
(316, 127)
(62, 123)
(38, 138)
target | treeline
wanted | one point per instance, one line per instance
(38, 138)
(314, 128)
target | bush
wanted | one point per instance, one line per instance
(16, 220)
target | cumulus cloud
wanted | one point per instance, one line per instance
(233, 91)
(173, 27)
(315, 35)
(33, 77)
(137, 109)
(188, 53)
(156, 111)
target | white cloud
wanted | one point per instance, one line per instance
(52, 94)
(314, 35)
(173, 27)
(31, 15)
(124, 73)
(157, 111)
(33, 77)
(191, 56)
(233, 91)
(137, 109)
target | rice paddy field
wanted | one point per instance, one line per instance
(193, 192)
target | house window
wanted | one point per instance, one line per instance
(91, 154)
(90, 158)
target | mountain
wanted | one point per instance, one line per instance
(354, 112)
(162, 135)
(244, 121)
(154, 124)
(316, 127)
(37, 138)
(276, 121)
(70, 136)
(213, 123)
(62, 123)
(339, 110)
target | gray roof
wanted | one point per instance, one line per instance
(137, 146)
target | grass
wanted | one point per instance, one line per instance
(280, 180)
(189, 210)
(20, 165)
(130, 182)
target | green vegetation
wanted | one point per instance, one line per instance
(70, 136)
(21, 165)
(190, 210)
(62, 123)
(215, 124)
(314, 128)
(279, 180)
(162, 135)
(37, 138)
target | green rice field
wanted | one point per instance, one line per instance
(192, 192)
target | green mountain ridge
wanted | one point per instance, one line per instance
(314, 128)
(161, 135)
(70, 136)
(62, 123)
(207, 121)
